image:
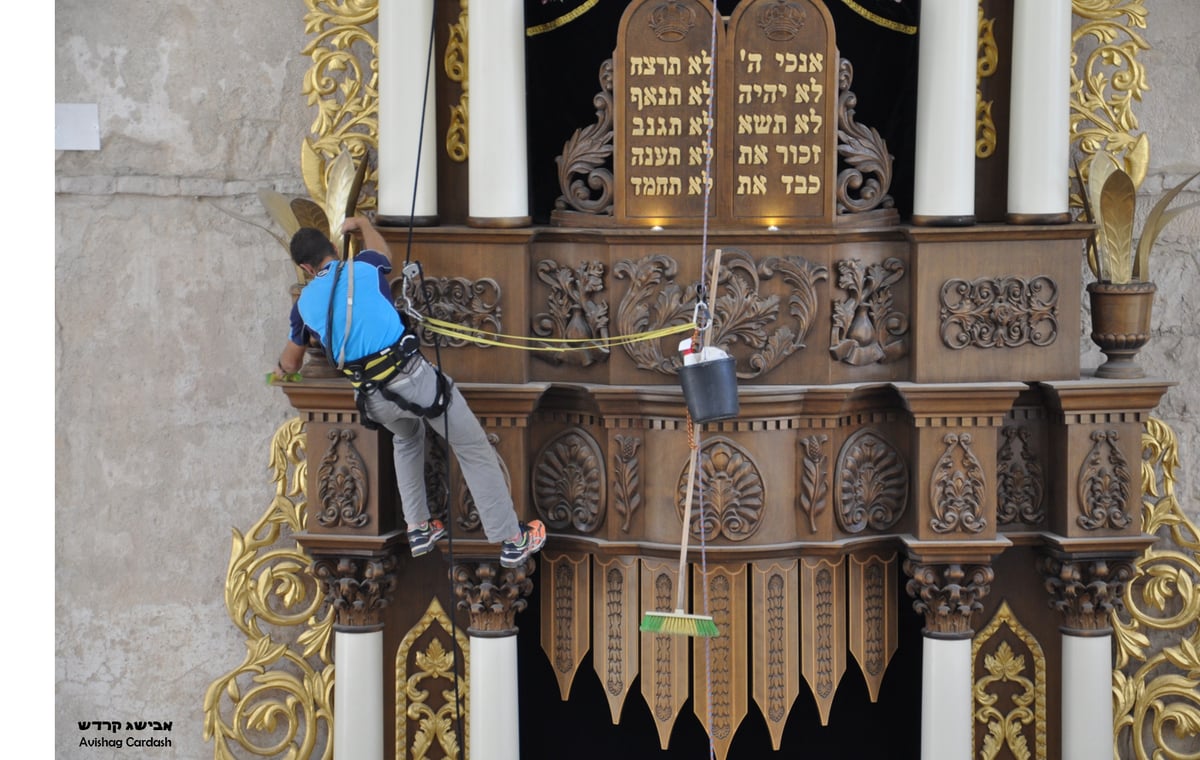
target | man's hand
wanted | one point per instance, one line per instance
(372, 239)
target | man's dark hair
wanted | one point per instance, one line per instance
(310, 246)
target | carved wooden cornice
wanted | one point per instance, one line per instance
(1086, 591)
(492, 594)
(948, 596)
(358, 589)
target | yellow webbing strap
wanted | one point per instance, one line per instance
(527, 343)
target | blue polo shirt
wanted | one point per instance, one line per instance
(374, 322)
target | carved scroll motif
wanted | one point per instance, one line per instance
(455, 64)
(985, 66)
(342, 483)
(730, 489)
(957, 489)
(999, 312)
(474, 304)
(1104, 484)
(574, 312)
(569, 482)
(869, 172)
(866, 329)
(430, 686)
(654, 300)
(814, 486)
(1020, 484)
(872, 484)
(587, 153)
(1010, 690)
(744, 316)
(627, 487)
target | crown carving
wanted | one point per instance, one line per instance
(781, 21)
(671, 21)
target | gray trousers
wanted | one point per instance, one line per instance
(476, 458)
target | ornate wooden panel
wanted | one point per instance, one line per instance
(566, 620)
(873, 615)
(426, 692)
(664, 656)
(823, 627)
(1009, 690)
(779, 88)
(720, 665)
(775, 639)
(616, 613)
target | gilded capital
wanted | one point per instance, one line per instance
(358, 589)
(948, 595)
(1085, 591)
(492, 594)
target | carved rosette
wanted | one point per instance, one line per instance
(1086, 591)
(574, 313)
(871, 484)
(1104, 484)
(814, 478)
(587, 154)
(358, 589)
(569, 482)
(492, 595)
(342, 483)
(999, 312)
(947, 595)
(729, 488)
(627, 487)
(863, 185)
(866, 329)
(1020, 484)
(472, 304)
(958, 487)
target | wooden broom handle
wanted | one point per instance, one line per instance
(681, 583)
(712, 296)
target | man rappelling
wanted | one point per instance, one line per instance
(396, 387)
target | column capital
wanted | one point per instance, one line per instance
(358, 589)
(492, 594)
(1085, 590)
(948, 595)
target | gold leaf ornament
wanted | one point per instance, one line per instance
(1158, 218)
(1118, 202)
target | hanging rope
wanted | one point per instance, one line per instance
(702, 298)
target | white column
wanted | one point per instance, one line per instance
(946, 699)
(358, 695)
(1039, 125)
(494, 714)
(1087, 703)
(497, 171)
(404, 27)
(944, 190)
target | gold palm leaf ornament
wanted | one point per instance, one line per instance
(1118, 201)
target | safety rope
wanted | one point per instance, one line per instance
(701, 297)
(526, 343)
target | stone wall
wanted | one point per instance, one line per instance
(168, 312)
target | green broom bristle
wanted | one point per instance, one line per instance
(679, 623)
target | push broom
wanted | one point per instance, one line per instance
(681, 623)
